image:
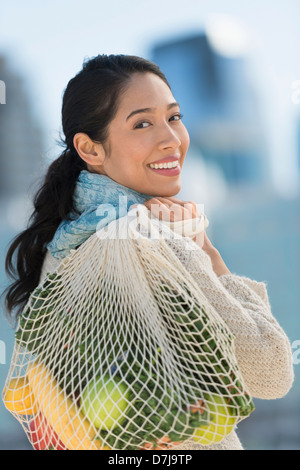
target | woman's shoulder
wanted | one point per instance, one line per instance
(50, 264)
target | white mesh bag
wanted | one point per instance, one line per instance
(119, 349)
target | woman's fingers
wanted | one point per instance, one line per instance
(164, 210)
(178, 209)
(190, 206)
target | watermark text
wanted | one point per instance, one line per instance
(2, 92)
(296, 92)
(296, 352)
(186, 219)
(2, 352)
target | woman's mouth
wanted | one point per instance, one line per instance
(167, 169)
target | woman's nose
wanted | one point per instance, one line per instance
(168, 138)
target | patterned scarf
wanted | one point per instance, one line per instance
(99, 200)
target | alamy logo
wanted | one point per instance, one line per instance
(2, 92)
(296, 92)
(296, 353)
(150, 224)
(2, 352)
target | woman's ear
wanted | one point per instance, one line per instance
(92, 153)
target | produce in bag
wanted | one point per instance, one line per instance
(121, 350)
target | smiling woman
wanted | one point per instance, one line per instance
(124, 343)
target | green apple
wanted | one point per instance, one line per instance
(104, 401)
(222, 422)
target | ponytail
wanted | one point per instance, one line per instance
(52, 203)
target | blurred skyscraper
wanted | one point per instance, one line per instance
(21, 143)
(255, 229)
(220, 106)
(21, 164)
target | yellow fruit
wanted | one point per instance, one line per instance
(19, 398)
(100, 446)
(68, 422)
(222, 422)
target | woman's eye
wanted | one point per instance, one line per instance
(140, 125)
(179, 116)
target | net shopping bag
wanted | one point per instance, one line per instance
(119, 349)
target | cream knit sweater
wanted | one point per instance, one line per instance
(262, 348)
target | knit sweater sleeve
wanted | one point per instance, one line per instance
(262, 348)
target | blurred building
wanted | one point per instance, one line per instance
(298, 139)
(260, 239)
(21, 163)
(220, 106)
(21, 142)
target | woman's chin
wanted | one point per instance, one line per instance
(170, 191)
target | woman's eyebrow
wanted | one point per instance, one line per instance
(149, 110)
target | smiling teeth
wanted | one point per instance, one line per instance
(157, 166)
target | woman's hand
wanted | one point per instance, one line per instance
(172, 209)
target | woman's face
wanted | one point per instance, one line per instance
(139, 138)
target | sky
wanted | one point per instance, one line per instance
(47, 41)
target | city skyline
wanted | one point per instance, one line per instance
(65, 38)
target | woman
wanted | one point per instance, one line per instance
(120, 122)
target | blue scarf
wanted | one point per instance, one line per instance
(99, 200)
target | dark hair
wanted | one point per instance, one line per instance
(90, 102)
